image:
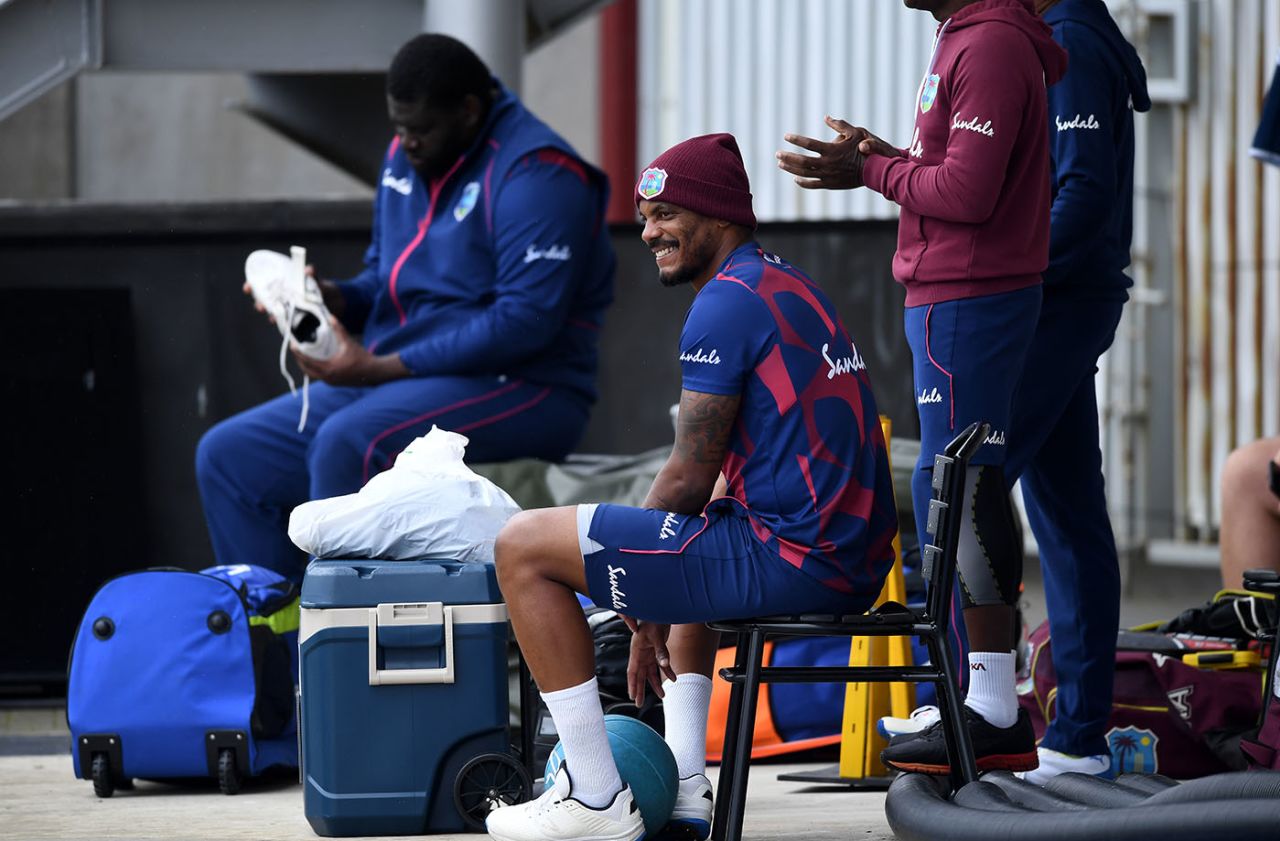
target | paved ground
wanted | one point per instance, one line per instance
(40, 799)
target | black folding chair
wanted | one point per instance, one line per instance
(890, 619)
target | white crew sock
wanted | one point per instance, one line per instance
(685, 705)
(991, 687)
(580, 723)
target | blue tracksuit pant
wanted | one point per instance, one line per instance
(254, 468)
(1056, 452)
(967, 360)
(1054, 448)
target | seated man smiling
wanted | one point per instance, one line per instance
(776, 499)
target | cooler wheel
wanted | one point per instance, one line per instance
(228, 773)
(104, 784)
(487, 782)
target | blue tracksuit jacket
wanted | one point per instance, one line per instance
(1266, 141)
(503, 266)
(1091, 143)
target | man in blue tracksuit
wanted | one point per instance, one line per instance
(479, 309)
(1055, 408)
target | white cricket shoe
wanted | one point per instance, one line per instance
(693, 807)
(265, 272)
(293, 299)
(556, 816)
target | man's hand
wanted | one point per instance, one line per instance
(352, 364)
(875, 146)
(649, 661)
(835, 165)
(334, 302)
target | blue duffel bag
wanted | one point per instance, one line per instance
(176, 674)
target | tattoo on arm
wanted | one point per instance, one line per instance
(703, 430)
(704, 426)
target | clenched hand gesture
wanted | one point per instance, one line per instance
(835, 164)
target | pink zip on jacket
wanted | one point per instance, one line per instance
(974, 185)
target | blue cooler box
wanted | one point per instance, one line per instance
(404, 679)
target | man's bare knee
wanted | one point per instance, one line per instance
(511, 553)
(522, 546)
(539, 545)
(1244, 475)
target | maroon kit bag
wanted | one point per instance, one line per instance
(1167, 716)
(1263, 749)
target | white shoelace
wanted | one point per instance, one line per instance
(293, 388)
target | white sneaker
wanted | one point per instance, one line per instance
(693, 806)
(265, 272)
(921, 718)
(556, 815)
(293, 299)
(1053, 763)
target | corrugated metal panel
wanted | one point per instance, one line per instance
(1227, 236)
(760, 68)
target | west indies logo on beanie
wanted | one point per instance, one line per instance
(652, 180)
(702, 174)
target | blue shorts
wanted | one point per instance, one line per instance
(674, 568)
(967, 358)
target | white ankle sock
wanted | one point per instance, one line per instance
(685, 706)
(991, 687)
(580, 723)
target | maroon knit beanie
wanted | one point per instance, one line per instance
(703, 174)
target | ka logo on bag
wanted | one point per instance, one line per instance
(1181, 700)
(929, 93)
(652, 182)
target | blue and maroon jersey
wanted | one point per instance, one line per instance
(807, 457)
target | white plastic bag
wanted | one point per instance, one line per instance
(428, 505)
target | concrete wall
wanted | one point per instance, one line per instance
(144, 137)
(37, 156)
(151, 137)
(562, 85)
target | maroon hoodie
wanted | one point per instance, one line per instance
(974, 185)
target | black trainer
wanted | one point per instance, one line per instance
(995, 748)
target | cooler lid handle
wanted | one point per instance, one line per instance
(414, 613)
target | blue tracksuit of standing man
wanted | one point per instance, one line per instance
(1055, 409)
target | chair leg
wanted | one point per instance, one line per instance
(743, 741)
(955, 731)
(728, 752)
(528, 715)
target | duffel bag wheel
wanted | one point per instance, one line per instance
(486, 782)
(104, 784)
(228, 773)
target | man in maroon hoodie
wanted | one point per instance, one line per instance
(975, 194)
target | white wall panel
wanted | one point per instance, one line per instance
(1227, 316)
(1270, 227)
(761, 68)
